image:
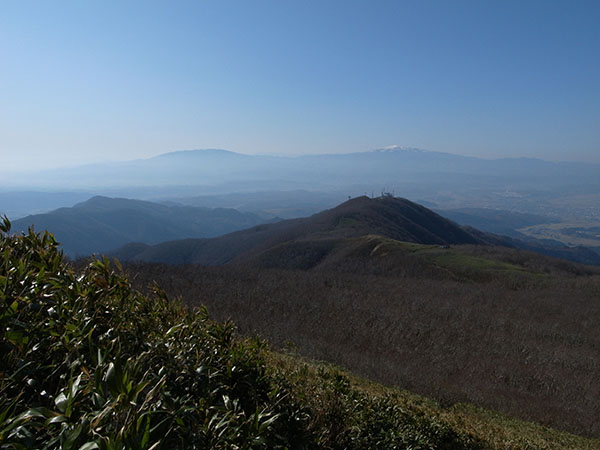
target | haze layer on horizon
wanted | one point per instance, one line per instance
(85, 82)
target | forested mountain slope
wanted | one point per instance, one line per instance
(101, 223)
(395, 218)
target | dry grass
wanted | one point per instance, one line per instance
(495, 430)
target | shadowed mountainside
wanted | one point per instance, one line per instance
(103, 223)
(394, 218)
(302, 243)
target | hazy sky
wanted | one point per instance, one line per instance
(86, 81)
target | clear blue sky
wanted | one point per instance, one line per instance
(86, 81)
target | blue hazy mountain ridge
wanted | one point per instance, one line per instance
(101, 223)
(221, 167)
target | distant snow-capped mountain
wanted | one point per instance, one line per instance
(399, 148)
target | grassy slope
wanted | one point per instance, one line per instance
(492, 429)
(456, 261)
(385, 256)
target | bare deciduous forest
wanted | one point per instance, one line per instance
(524, 345)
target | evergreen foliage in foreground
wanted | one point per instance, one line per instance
(89, 363)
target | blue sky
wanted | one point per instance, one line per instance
(86, 81)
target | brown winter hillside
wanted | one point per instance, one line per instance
(519, 337)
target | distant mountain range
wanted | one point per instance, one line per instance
(383, 166)
(295, 186)
(101, 224)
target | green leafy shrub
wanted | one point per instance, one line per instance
(90, 363)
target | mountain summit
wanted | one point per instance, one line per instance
(386, 216)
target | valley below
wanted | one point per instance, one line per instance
(569, 233)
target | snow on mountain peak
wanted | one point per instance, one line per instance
(398, 148)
